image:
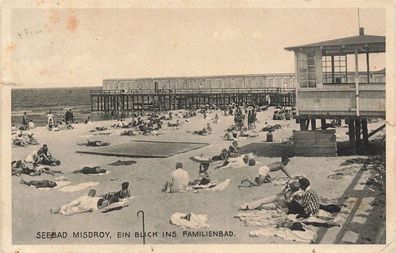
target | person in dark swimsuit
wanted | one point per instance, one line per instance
(90, 170)
(39, 183)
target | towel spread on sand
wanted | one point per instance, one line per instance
(262, 218)
(100, 174)
(220, 186)
(121, 163)
(117, 205)
(196, 221)
(265, 218)
(307, 236)
(212, 186)
(78, 187)
(323, 218)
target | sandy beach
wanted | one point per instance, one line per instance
(31, 206)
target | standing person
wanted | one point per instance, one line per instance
(25, 120)
(254, 118)
(71, 116)
(249, 120)
(50, 120)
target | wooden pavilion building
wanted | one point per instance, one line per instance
(326, 91)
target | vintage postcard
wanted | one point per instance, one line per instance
(144, 126)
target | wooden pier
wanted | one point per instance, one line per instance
(163, 100)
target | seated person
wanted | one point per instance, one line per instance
(86, 203)
(177, 124)
(31, 124)
(113, 197)
(39, 183)
(45, 157)
(233, 150)
(208, 128)
(179, 180)
(264, 173)
(309, 200)
(223, 155)
(203, 175)
(229, 135)
(90, 170)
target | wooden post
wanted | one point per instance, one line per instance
(351, 130)
(304, 124)
(358, 133)
(323, 124)
(365, 133)
(313, 123)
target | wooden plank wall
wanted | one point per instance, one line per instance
(315, 143)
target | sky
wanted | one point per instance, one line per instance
(81, 47)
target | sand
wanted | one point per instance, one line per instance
(31, 207)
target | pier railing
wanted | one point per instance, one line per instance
(197, 91)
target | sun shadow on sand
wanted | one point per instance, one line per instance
(266, 149)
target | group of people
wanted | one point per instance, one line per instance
(179, 180)
(91, 202)
(284, 114)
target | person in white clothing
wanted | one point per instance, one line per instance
(50, 120)
(179, 180)
(83, 204)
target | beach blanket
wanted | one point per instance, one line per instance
(307, 236)
(122, 163)
(278, 217)
(99, 174)
(78, 187)
(323, 218)
(201, 158)
(220, 186)
(262, 218)
(212, 186)
(196, 221)
(116, 206)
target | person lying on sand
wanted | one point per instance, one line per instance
(83, 204)
(222, 157)
(39, 183)
(96, 143)
(238, 162)
(179, 180)
(247, 135)
(202, 132)
(280, 200)
(90, 170)
(44, 157)
(264, 173)
(39, 169)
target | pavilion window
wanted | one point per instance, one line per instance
(306, 70)
(334, 69)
